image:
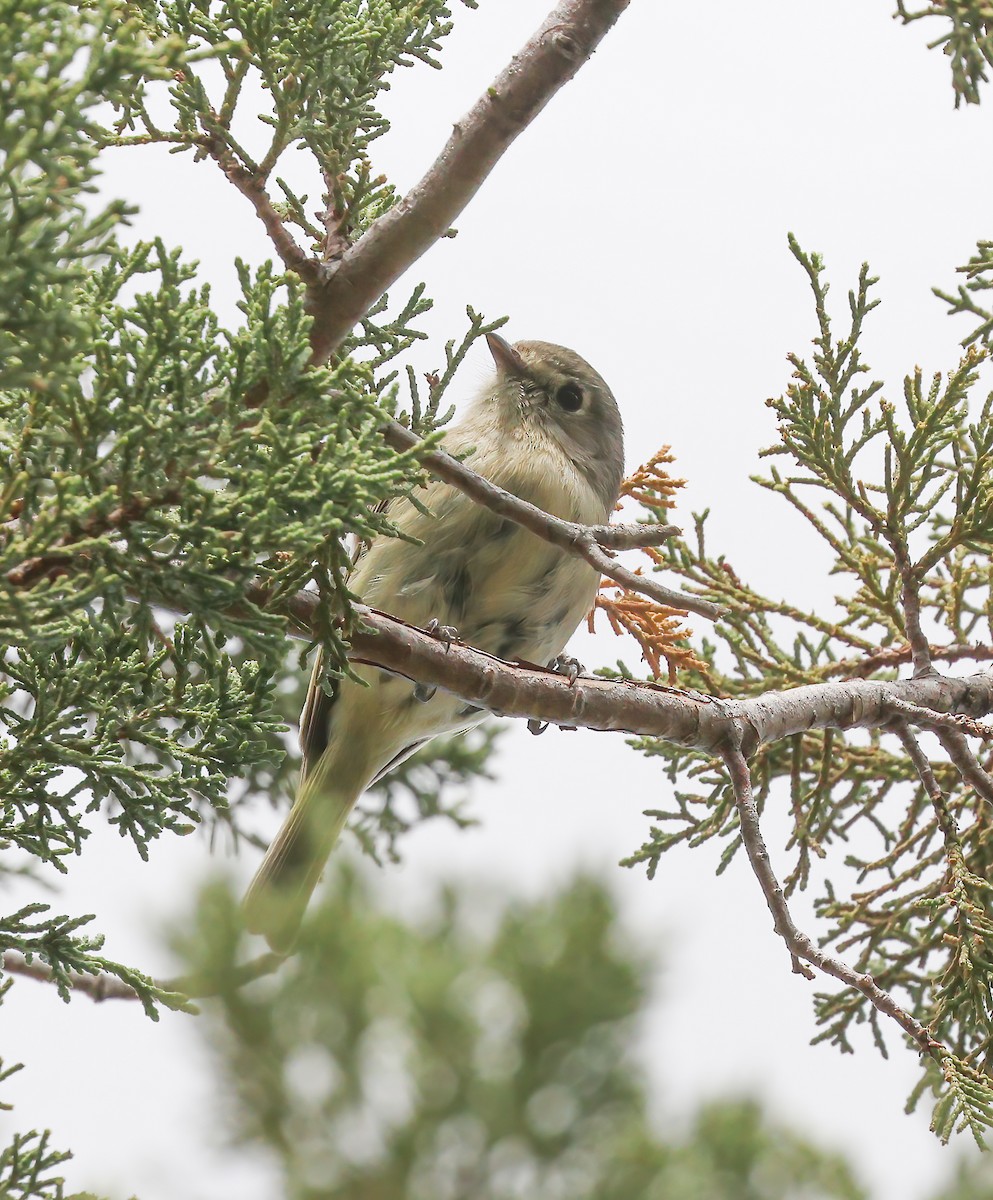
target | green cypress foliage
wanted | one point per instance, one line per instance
(156, 461)
(152, 456)
(967, 41)
(901, 494)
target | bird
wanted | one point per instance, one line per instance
(545, 427)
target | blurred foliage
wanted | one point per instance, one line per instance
(443, 1061)
(971, 1180)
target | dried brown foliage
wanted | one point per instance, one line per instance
(651, 484)
(655, 627)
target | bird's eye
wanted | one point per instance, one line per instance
(570, 397)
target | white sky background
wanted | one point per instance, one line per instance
(641, 220)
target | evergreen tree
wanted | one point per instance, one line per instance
(440, 1063)
(178, 498)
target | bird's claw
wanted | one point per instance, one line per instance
(568, 666)
(444, 633)
(423, 692)
(537, 727)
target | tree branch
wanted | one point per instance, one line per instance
(894, 656)
(527, 690)
(911, 599)
(966, 763)
(98, 987)
(103, 986)
(802, 948)
(251, 184)
(589, 542)
(72, 544)
(922, 765)
(925, 718)
(758, 856)
(548, 60)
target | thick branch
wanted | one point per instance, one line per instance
(548, 60)
(629, 706)
(801, 947)
(588, 541)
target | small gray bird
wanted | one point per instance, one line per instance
(547, 429)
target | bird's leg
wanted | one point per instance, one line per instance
(568, 666)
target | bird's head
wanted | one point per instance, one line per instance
(552, 392)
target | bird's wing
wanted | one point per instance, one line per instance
(397, 759)
(315, 719)
(318, 708)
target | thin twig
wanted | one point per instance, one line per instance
(911, 601)
(758, 856)
(70, 545)
(922, 765)
(638, 535)
(802, 949)
(588, 542)
(252, 186)
(926, 718)
(966, 763)
(103, 986)
(547, 61)
(895, 656)
(98, 987)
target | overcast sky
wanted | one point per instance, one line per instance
(642, 220)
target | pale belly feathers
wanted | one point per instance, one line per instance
(502, 588)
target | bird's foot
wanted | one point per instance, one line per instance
(423, 692)
(568, 666)
(444, 633)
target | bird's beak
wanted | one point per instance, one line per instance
(508, 361)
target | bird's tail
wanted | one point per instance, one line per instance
(278, 895)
